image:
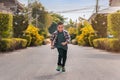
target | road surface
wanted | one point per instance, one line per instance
(39, 63)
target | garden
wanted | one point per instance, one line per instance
(102, 33)
(23, 29)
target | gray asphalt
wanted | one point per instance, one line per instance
(39, 63)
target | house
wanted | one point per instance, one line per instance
(10, 6)
(99, 20)
(114, 3)
(114, 6)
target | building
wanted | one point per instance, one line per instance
(114, 3)
(100, 19)
(10, 6)
(114, 6)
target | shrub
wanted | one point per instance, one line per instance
(6, 29)
(74, 42)
(99, 43)
(37, 39)
(20, 24)
(107, 44)
(12, 44)
(83, 38)
(114, 24)
(72, 32)
(91, 38)
(99, 24)
(79, 27)
(28, 38)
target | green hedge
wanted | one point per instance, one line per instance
(12, 44)
(20, 24)
(6, 29)
(99, 24)
(28, 38)
(114, 24)
(91, 38)
(107, 44)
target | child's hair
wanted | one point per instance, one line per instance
(60, 23)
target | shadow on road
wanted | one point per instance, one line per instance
(48, 77)
(104, 56)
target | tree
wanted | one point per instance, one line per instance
(56, 18)
(40, 18)
(71, 23)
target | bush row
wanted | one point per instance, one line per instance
(99, 24)
(114, 24)
(12, 44)
(6, 21)
(112, 44)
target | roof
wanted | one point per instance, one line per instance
(109, 10)
(12, 3)
(105, 11)
(10, 6)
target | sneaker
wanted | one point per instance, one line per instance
(63, 69)
(59, 68)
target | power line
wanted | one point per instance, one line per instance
(81, 9)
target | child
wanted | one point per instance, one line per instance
(59, 39)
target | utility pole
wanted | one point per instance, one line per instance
(29, 12)
(97, 6)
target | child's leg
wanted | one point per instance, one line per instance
(64, 57)
(59, 56)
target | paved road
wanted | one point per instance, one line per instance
(39, 63)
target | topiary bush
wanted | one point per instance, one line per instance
(114, 24)
(12, 44)
(99, 43)
(6, 27)
(99, 24)
(20, 24)
(107, 44)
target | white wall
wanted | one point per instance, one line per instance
(115, 3)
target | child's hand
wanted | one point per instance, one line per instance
(64, 43)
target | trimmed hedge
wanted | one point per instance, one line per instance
(6, 29)
(91, 38)
(20, 24)
(99, 24)
(12, 44)
(114, 24)
(112, 44)
(28, 38)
